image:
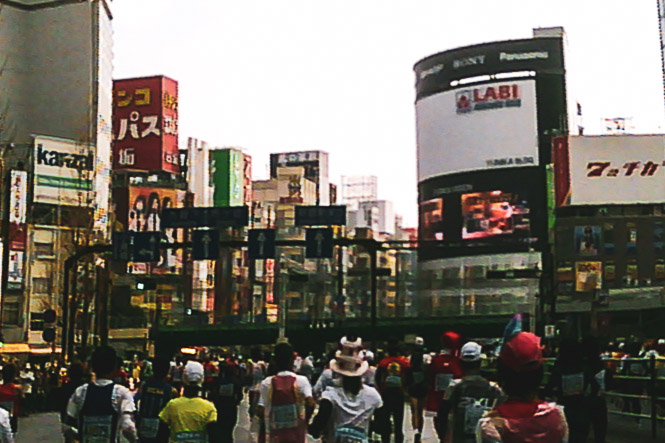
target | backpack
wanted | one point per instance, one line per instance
(286, 422)
(154, 396)
(474, 401)
(393, 376)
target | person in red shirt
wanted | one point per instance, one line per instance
(443, 368)
(10, 395)
(391, 382)
(523, 417)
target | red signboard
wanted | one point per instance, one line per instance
(145, 124)
(561, 160)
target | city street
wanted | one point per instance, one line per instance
(46, 428)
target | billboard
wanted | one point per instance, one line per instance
(18, 194)
(227, 176)
(493, 213)
(438, 72)
(145, 124)
(473, 128)
(63, 172)
(622, 169)
(588, 276)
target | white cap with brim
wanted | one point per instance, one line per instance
(471, 352)
(193, 373)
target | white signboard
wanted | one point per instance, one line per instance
(477, 127)
(63, 172)
(18, 193)
(620, 169)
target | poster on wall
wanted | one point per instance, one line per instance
(15, 273)
(494, 213)
(18, 194)
(588, 276)
(587, 240)
(63, 172)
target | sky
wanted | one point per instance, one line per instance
(293, 75)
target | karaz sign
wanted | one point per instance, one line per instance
(64, 159)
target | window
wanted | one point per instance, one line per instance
(43, 250)
(41, 285)
(10, 313)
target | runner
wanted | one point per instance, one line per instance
(226, 394)
(391, 381)
(347, 409)
(153, 395)
(286, 400)
(102, 410)
(443, 368)
(259, 368)
(469, 398)
(189, 419)
(6, 434)
(10, 395)
(417, 387)
(523, 417)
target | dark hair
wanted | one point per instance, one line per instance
(161, 368)
(470, 365)
(8, 373)
(520, 384)
(103, 360)
(284, 357)
(352, 384)
(255, 354)
(75, 371)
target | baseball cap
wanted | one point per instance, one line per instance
(450, 340)
(471, 352)
(522, 353)
(193, 373)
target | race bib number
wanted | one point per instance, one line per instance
(442, 381)
(226, 390)
(148, 427)
(350, 434)
(284, 416)
(97, 429)
(393, 381)
(191, 437)
(473, 412)
(572, 384)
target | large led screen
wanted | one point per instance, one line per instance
(493, 213)
(477, 127)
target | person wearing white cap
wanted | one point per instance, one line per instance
(189, 418)
(469, 398)
(346, 411)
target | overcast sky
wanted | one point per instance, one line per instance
(290, 75)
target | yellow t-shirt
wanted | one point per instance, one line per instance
(188, 414)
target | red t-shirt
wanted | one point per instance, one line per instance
(440, 372)
(393, 372)
(525, 422)
(10, 393)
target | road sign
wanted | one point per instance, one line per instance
(320, 215)
(122, 243)
(319, 243)
(146, 246)
(210, 217)
(205, 244)
(261, 243)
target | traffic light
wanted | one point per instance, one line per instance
(48, 335)
(49, 317)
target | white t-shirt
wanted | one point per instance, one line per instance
(302, 385)
(352, 414)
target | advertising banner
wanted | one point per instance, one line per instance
(488, 214)
(587, 240)
(63, 172)
(588, 276)
(473, 128)
(145, 124)
(15, 273)
(622, 169)
(436, 73)
(18, 194)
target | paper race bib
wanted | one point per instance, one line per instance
(350, 434)
(473, 412)
(284, 416)
(191, 437)
(442, 381)
(97, 429)
(148, 427)
(226, 390)
(572, 384)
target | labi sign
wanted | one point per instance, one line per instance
(63, 172)
(488, 97)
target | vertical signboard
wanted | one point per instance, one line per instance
(18, 193)
(145, 124)
(63, 172)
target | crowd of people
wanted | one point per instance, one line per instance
(351, 395)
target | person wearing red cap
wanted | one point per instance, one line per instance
(443, 368)
(523, 417)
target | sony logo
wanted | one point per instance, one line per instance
(543, 55)
(64, 159)
(469, 61)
